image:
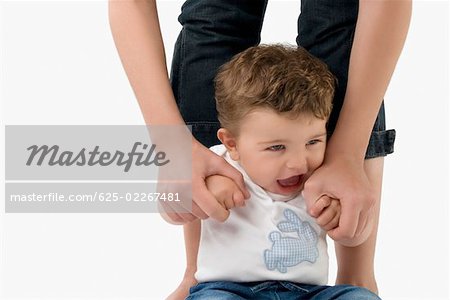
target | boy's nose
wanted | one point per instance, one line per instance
(298, 163)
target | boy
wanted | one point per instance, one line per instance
(273, 104)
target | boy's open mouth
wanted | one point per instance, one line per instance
(291, 182)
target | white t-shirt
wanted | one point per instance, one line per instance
(271, 238)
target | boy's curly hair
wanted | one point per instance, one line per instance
(286, 79)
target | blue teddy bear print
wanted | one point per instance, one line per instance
(289, 251)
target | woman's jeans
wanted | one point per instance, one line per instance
(273, 290)
(215, 30)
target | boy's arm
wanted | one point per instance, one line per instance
(223, 189)
(192, 240)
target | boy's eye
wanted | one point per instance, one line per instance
(313, 142)
(276, 147)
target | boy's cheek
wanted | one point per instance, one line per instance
(317, 161)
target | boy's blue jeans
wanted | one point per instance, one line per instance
(215, 30)
(277, 290)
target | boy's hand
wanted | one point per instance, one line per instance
(331, 212)
(226, 192)
(328, 220)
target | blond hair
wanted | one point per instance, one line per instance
(284, 78)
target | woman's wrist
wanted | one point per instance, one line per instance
(339, 151)
(350, 139)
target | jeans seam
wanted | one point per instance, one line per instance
(208, 124)
(260, 287)
(181, 68)
(291, 285)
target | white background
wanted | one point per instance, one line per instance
(59, 66)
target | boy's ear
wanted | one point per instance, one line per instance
(229, 141)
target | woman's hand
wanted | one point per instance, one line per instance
(344, 180)
(205, 203)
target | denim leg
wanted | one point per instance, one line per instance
(272, 290)
(213, 31)
(341, 292)
(326, 29)
(225, 290)
(215, 291)
(262, 290)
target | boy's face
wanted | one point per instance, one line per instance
(278, 154)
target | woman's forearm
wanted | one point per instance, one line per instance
(136, 32)
(379, 38)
